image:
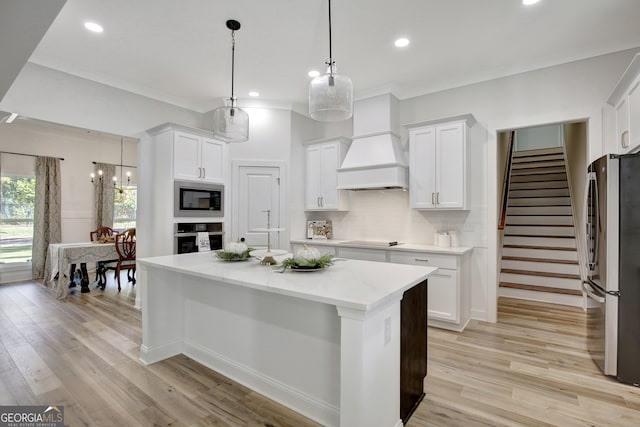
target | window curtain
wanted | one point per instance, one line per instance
(105, 195)
(46, 217)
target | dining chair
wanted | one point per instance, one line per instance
(101, 266)
(101, 232)
(126, 248)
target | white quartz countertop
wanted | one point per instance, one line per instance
(360, 285)
(409, 247)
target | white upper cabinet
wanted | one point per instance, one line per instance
(438, 164)
(212, 160)
(323, 158)
(625, 99)
(197, 158)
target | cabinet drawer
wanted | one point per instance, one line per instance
(428, 259)
(363, 254)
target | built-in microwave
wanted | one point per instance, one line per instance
(198, 199)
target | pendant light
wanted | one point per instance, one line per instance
(331, 94)
(230, 123)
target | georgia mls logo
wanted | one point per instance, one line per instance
(31, 416)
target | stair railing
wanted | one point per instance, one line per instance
(506, 183)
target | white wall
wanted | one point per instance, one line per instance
(269, 143)
(539, 137)
(575, 136)
(50, 95)
(79, 149)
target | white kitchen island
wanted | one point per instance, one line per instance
(326, 344)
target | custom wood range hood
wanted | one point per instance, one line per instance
(375, 159)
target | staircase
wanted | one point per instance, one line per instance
(539, 256)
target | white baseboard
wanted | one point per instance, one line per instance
(477, 314)
(149, 355)
(303, 403)
(15, 273)
(443, 324)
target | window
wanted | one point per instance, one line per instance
(124, 207)
(17, 199)
(125, 198)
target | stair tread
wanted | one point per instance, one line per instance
(544, 157)
(546, 248)
(538, 206)
(551, 261)
(529, 196)
(541, 288)
(538, 225)
(550, 236)
(538, 152)
(528, 214)
(540, 273)
(523, 166)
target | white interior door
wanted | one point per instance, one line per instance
(258, 191)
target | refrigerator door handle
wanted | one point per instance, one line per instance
(591, 209)
(590, 291)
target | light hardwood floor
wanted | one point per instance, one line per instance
(531, 368)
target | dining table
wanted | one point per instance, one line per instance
(62, 259)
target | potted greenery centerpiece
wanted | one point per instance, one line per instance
(307, 259)
(234, 251)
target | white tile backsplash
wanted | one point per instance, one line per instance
(385, 215)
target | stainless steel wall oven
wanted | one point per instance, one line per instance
(186, 236)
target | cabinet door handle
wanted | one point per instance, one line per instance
(421, 260)
(438, 198)
(322, 201)
(199, 172)
(441, 275)
(433, 199)
(624, 139)
(204, 173)
(318, 201)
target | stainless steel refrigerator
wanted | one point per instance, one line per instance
(613, 253)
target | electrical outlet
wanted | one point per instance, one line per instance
(467, 227)
(387, 330)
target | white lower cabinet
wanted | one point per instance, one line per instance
(448, 289)
(442, 300)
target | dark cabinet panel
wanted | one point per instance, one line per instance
(413, 349)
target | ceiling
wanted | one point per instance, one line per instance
(180, 51)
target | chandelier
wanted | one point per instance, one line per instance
(100, 180)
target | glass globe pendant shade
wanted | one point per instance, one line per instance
(331, 97)
(230, 124)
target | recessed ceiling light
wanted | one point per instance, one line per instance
(402, 42)
(92, 26)
(529, 2)
(313, 73)
(254, 93)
